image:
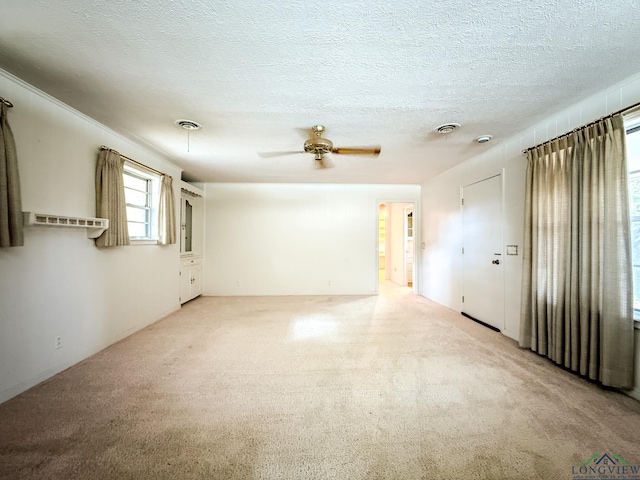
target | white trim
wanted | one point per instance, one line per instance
(191, 191)
(142, 241)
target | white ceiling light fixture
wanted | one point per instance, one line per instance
(189, 126)
(447, 128)
(483, 139)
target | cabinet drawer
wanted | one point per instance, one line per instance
(190, 262)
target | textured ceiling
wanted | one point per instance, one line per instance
(372, 72)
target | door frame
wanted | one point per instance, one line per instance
(416, 241)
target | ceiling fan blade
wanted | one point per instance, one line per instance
(278, 154)
(375, 151)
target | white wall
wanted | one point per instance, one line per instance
(294, 239)
(441, 261)
(59, 283)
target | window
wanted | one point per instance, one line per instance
(633, 159)
(141, 190)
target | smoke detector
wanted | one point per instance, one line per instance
(188, 124)
(483, 138)
(447, 128)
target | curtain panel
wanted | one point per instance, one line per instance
(166, 212)
(577, 292)
(110, 199)
(11, 233)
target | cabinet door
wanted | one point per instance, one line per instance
(196, 279)
(185, 283)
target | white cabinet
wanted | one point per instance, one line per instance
(191, 241)
(190, 279)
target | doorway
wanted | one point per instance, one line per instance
(395, 237)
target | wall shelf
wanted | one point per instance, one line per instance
(95, 226)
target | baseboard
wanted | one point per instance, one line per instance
(491, 327)
(366, 293)
(21, 387)
(45, 375)
(510, 334)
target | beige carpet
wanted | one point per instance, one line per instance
(389, 387)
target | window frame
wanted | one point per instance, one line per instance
(632, 126)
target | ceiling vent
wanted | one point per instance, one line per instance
(188, 124)
(483, 138)
(447, 128)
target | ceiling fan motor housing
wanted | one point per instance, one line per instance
(318, 145)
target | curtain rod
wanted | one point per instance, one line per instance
(103, 147)
(6, 102)
(622, 110)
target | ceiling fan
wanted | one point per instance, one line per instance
(319, 146)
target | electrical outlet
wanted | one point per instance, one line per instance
(58, 342)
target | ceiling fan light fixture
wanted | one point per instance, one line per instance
(447, 128)
(188, 124)
(318, 146)
(483, 139)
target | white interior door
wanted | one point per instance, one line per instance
(483, 289)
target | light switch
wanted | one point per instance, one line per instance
(512, 249)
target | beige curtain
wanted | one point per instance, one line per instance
(11, 234)
(577, 295)
(166, 213)
(110, 199)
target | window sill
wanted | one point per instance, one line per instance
(143, 242)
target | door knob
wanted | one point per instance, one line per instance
(496, 262)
